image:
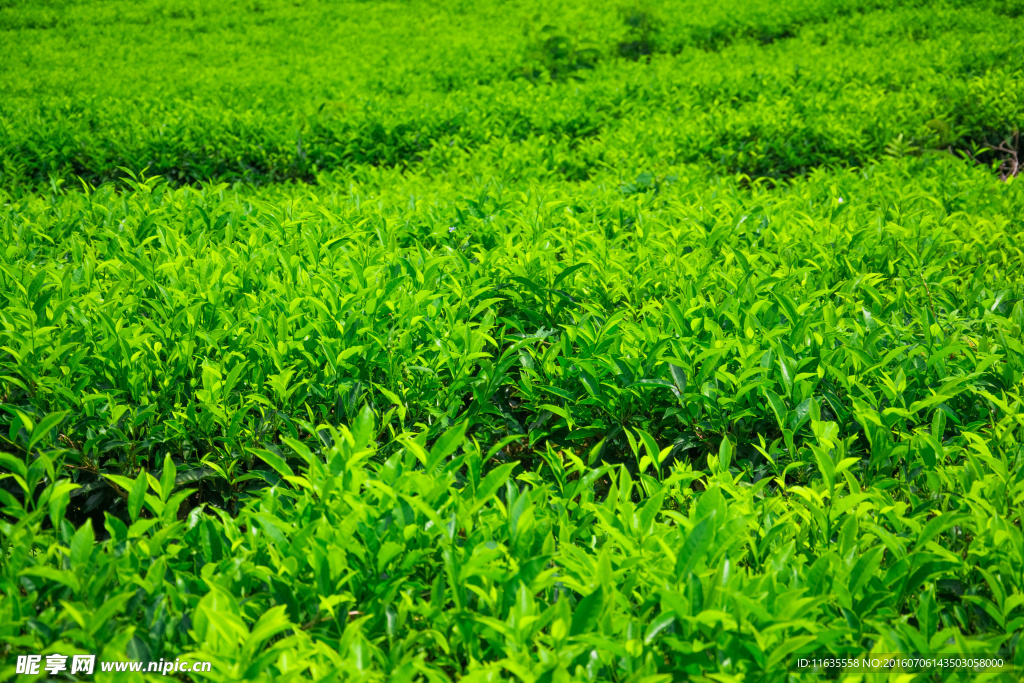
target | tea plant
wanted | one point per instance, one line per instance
(608, 342)
(840, 92)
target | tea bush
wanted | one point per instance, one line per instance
(583, 342)
(837, 93)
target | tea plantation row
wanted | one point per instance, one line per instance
(747, 410)
(842, 88)
(671, 342)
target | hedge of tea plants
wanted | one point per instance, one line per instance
(200, 94)
(512, 341)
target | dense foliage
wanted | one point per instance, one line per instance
(544, 341)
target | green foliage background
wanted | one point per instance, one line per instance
(511, 341)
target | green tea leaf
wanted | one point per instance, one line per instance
(44, 426)
(494, 480)
(167, 479)
(275, 461)
(82, 544)
(587, 612)
(698, 541)
(660, 623)
(936, 526)
(725, 450)
(136, 495)
(447, 444)
(678, 378)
